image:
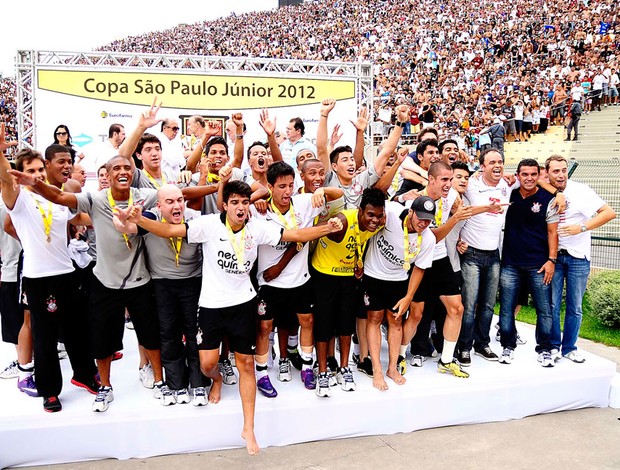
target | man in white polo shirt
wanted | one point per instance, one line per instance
(584, 212)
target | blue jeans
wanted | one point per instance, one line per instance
(510, 280)
(480, 270)
(575, 271)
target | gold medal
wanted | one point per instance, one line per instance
(406, 266)
(48, 239)
(112, 203)
(409, 255)
(46, 216)
(359, 263)
(300, 246)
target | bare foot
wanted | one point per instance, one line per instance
(250, 442)
(216, 391)
(378, 381)
(395, 376)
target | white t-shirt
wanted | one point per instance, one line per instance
(224, 282)
(41, 258)
(483, 231)
(444, 205)
(386, 250)
(582, 203)
(296, 272)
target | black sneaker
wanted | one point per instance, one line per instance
(488, 354)
(295, 358)
(332, 364)
(464, 358)
(365, 366)
(52, 404)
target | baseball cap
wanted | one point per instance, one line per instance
(424, 207)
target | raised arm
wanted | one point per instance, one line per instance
(321, 134)
(269, 126)
(160, 229)
(212, 128)
(385, 181)
(10, 191)
(360, 142)
(333, 225)
(402, 117)
(147, 119)
(237, 119)
(49, 192)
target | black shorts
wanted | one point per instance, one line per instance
(335, 305)
(283, 305)
(107, 310)
(383, 295)
(11, 311)
(237, 323)
(440, 279)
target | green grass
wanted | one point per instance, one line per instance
(591, 328)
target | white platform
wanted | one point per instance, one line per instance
(136, 425)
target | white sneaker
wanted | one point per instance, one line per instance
(228, 374)
(181, 396)
(575, 356)
(10, 372)
(417, 361)
(62, 352)
(200, 397)
(284, 370)
(345, 379)
(104, 397)
(520, 340)
(163, 394)
(322, 385)
(555, 354)
(507, 356)
(232, 359)
(147, 379)
(545, 359)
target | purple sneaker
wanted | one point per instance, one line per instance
(28, 386)
(265, 387)
(307, 377)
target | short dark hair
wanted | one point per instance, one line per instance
(373, 197)
(214, 141)
(486, 152)
(308, 162)
(458, 165)
(298, 124)
(26, 156)
(428, 130)
(437, 167)
(279, 170)
(53, 149)
(114, 128)
(422, 146)
(443, 143)
(527, 162)
(147, 139)
(333, 156)
(256, 143)
(238, 187)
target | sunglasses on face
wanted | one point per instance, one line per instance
(61, 133)
(174, 129)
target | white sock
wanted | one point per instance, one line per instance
(306, 359)
(261, 370)
(356, 349)
(447, 355)
(403, 350)
(293, 341)
(24, 371)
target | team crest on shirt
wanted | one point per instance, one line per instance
(52, 306)
(298, 218)
(357, 188)
(248, 242)
(536, 207)
(504, 191)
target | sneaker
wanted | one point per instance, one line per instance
(146, 376)
(417, 360)
(545, 359)
(307, 377)
(28, 386)
(331, 374)
(62, 352)
(181, 396)
(401, 365)
(365, 366)
(52, 404)
(332, 363)
(555, 354)
(356, 359)
(200, 397)
(520, 341)
(128, 324)
(228, 374)
(488, 354)
(332, 368)
(104, 397)
(575, 356)
(164, 394)
(10, 372)
(284, 370)
(117, 355)
(345, 379)
(265, 387)
(322, 385)
(91, 386)
(295, 359)
(464, 358)
(451, 368)
(507, 356)
(232, 359)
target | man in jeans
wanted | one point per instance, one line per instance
(529, 255)
(584, 212)
(480, 261)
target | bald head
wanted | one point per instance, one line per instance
(171, 203)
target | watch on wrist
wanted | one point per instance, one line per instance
(401, 124)
(584, 228)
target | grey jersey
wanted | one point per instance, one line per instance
(10, 250)
(209, 204)
(160, 253)
(141, 180)
(117, 267)
(353, 193)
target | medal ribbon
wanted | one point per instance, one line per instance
(292, 225)
(439, 212)
(153, 180)
(408, 254)
(358, 246)
(238, 247)
(176, 244)
(213, 177)
(114, 209)
(46, 216)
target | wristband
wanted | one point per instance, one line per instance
(401, 124)
(238, 136)
(553, 260)
(556, 192)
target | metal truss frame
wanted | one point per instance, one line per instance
(29, 61)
